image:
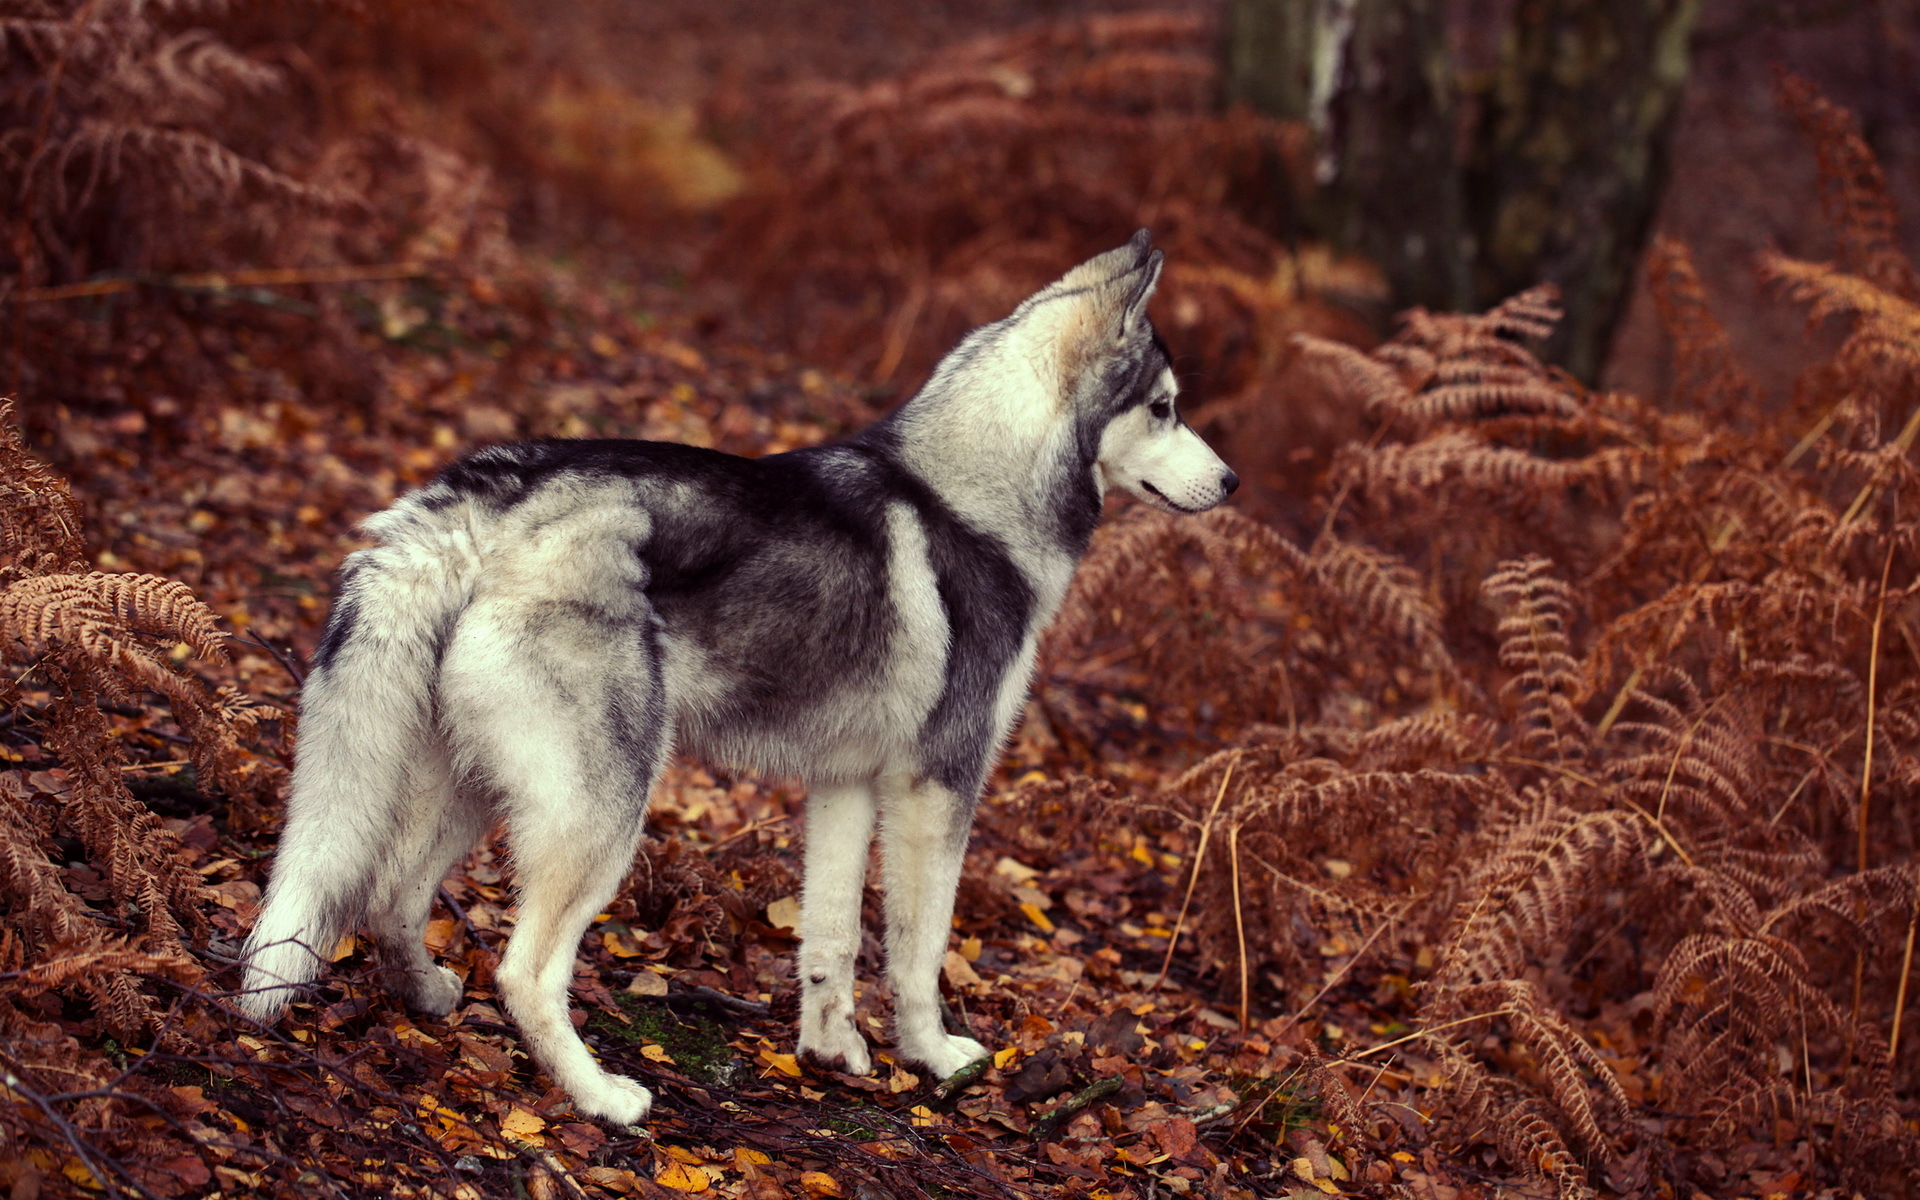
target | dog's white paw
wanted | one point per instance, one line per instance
(945, 1054)
(838, 1047)
(436, 993)
(614, 1099)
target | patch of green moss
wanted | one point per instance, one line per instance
(852, 1124)
(1280, 1108)
(695, 1040)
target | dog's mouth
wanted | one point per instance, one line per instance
(1169, 501)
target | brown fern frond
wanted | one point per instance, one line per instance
(1706, 374)
(1376, 384)
(1853, 190)
(1456, 468)
(1518, 1125)
(1892, 319)
(1383, 592)
(1522, 904)
(1572, 1071)
(1535, 645)
(96, 611)
(39, 522)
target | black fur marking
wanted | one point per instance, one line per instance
(989, 605)
(637, 722)
(341, 620)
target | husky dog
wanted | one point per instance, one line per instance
(540, 626)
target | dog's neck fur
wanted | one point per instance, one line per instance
(994, 436)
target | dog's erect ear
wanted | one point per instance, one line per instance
(1105, 268)
(1114, 287)
(1140, 286)
(1100, 305)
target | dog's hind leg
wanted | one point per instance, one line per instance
(443, 825)
(923, 839)
(553, 696)
(839, 832)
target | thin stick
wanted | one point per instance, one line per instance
(1900, 998)
(1420, 1033)
(1719, 541)
(1199, 859)
(1873, 681)
(1239, 922)
(1866, 783)
(460, 915)
(1353, 961)
(1905, 442)
(292, 669)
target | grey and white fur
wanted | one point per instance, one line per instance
(538, 628)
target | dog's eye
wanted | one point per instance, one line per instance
(1160, 409)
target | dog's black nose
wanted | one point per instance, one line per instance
(1231, 482)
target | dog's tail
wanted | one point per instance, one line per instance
(366, 724)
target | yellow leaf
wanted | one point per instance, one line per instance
(683, 1177)
(819, 1185)
(522, 1123)
(747, 1156)
(77, 1171)
(1037, 917)
(784, 913)
(619, 945)
(786, 1064)
(1003, 1057)
(343, 949)
(970, 949)
(657, 1054)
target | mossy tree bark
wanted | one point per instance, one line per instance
(1557, 180)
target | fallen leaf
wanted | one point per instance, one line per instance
(786, 1064)
(522, 1123)
(1014, 869)
(784, 913)
(958, 971)
(646, 983)
(683, 1177)
(1037, 917)
(819, 1185)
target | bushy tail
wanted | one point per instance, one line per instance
(366, 724)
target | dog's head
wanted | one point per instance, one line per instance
(1116, 376)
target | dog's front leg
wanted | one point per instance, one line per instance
(923, 838)
(839, 831)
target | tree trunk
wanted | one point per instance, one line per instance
(1560, 176)
(1570, 159)
(1395, 186)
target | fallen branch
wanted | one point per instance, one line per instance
(1064, 1111)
